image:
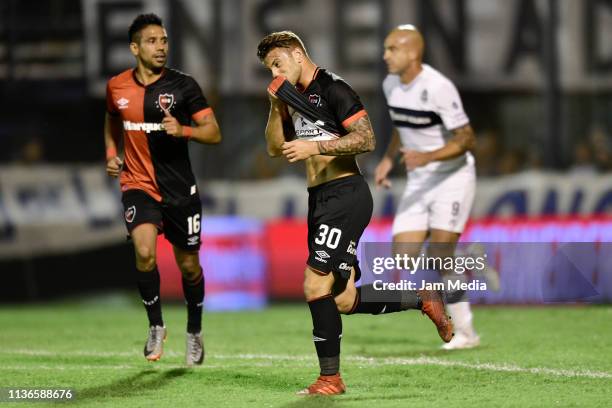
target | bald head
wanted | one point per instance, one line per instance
(409, 36)
(404, 47)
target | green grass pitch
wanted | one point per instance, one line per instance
(530, 357)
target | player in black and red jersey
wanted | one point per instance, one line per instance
(316, 116)
(158, 111)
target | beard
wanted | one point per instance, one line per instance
(154, 66)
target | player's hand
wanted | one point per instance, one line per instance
(113, 166)
(413, 159)
(297, 150)
(274, 101)
(171, 125)
(381, 172)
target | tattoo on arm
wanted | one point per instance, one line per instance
(359, 140)
(464, 137)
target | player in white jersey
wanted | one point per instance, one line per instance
(434, 136)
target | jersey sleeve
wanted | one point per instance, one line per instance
(195, 101)
(388, 84)
(111, 108)
(448, 105)
(345, 103)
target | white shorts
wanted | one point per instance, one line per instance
(436, 200)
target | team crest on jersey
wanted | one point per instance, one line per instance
(424, 95)
(314, 99)
(165, 102)
(130, 213)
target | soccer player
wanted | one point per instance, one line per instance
(152, 107)
(317, 118)
(434, 137)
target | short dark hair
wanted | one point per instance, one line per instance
(279, 39)
(140, 22)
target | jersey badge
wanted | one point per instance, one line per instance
(165, 102)
(130, 213)
(315, 99)
(424, 96)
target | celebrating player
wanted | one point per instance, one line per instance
(317, 117)
(435, 137)
(152, 107)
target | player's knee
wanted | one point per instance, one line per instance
(345, 301)
(315, 288)
(145, 257)
(189, 266)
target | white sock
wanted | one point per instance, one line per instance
(461, 315)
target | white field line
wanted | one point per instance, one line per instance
(267, 359)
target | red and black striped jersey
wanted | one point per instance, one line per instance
(154, 161)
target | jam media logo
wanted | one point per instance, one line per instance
(130, 213)
(165, 102)
(315, 99)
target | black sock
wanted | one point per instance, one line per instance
(326, 333)
(372, 301)
(194, 297)
(148, 286)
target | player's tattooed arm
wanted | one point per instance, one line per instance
(462, 141)
(359, 140)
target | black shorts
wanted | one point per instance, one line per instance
(180, 224)
(338, 213)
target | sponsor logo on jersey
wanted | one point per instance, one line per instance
(301, 133)
(194, 240)
(305, 129)
(165, 102)
(123, 103)
(345, 267)
(322, 256)
(416, 120)
(351, 248)
(130, 213)
(455, 105)
(143, 126)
